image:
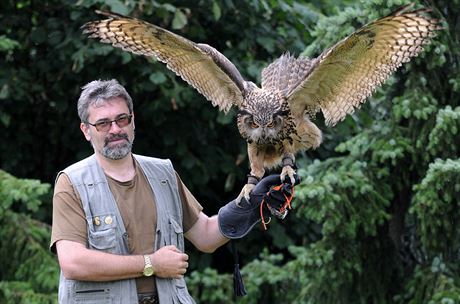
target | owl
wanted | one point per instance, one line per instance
(275, 119)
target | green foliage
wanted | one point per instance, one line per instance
(23, 293)
(28, 270)
(7, 44)
(445, 136)
(343, 198)
(210, 287)
(435, 284)
(415, 105)
(436, 203)
(28, 192)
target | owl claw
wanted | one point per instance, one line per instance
(244, 194)
(288, 171)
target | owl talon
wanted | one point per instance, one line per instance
(244, 194)
(288, 171)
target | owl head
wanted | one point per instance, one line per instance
(261, 123)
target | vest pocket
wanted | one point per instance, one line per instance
(93, 296)
(104, 240)
(103, 232)
(176, 234)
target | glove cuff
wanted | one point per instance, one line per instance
(235, 221)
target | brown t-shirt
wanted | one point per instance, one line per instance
(136, 202)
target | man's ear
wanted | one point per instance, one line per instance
(85, 129)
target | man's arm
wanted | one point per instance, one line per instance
(205, 234)
(80, 263)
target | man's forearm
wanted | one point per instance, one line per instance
(205, 234)
(214, 238)
(79, 263)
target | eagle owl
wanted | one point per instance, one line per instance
(275, 119)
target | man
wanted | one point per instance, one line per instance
(119, 219)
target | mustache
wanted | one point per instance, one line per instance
(116, 137)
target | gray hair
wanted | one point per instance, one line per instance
(98, 92)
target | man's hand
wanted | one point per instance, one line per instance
(169, 262)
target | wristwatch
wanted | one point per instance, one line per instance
(148, 267)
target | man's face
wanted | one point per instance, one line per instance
(116, 142)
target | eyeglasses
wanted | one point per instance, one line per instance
(105, 125)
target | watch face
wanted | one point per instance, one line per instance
(148, 271)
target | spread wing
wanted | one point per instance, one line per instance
(349, 72)
(202, 66)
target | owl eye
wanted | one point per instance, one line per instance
(271, 125)
(254, 125)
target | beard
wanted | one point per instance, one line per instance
(119, 150)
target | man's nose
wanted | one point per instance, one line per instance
(114, 128)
